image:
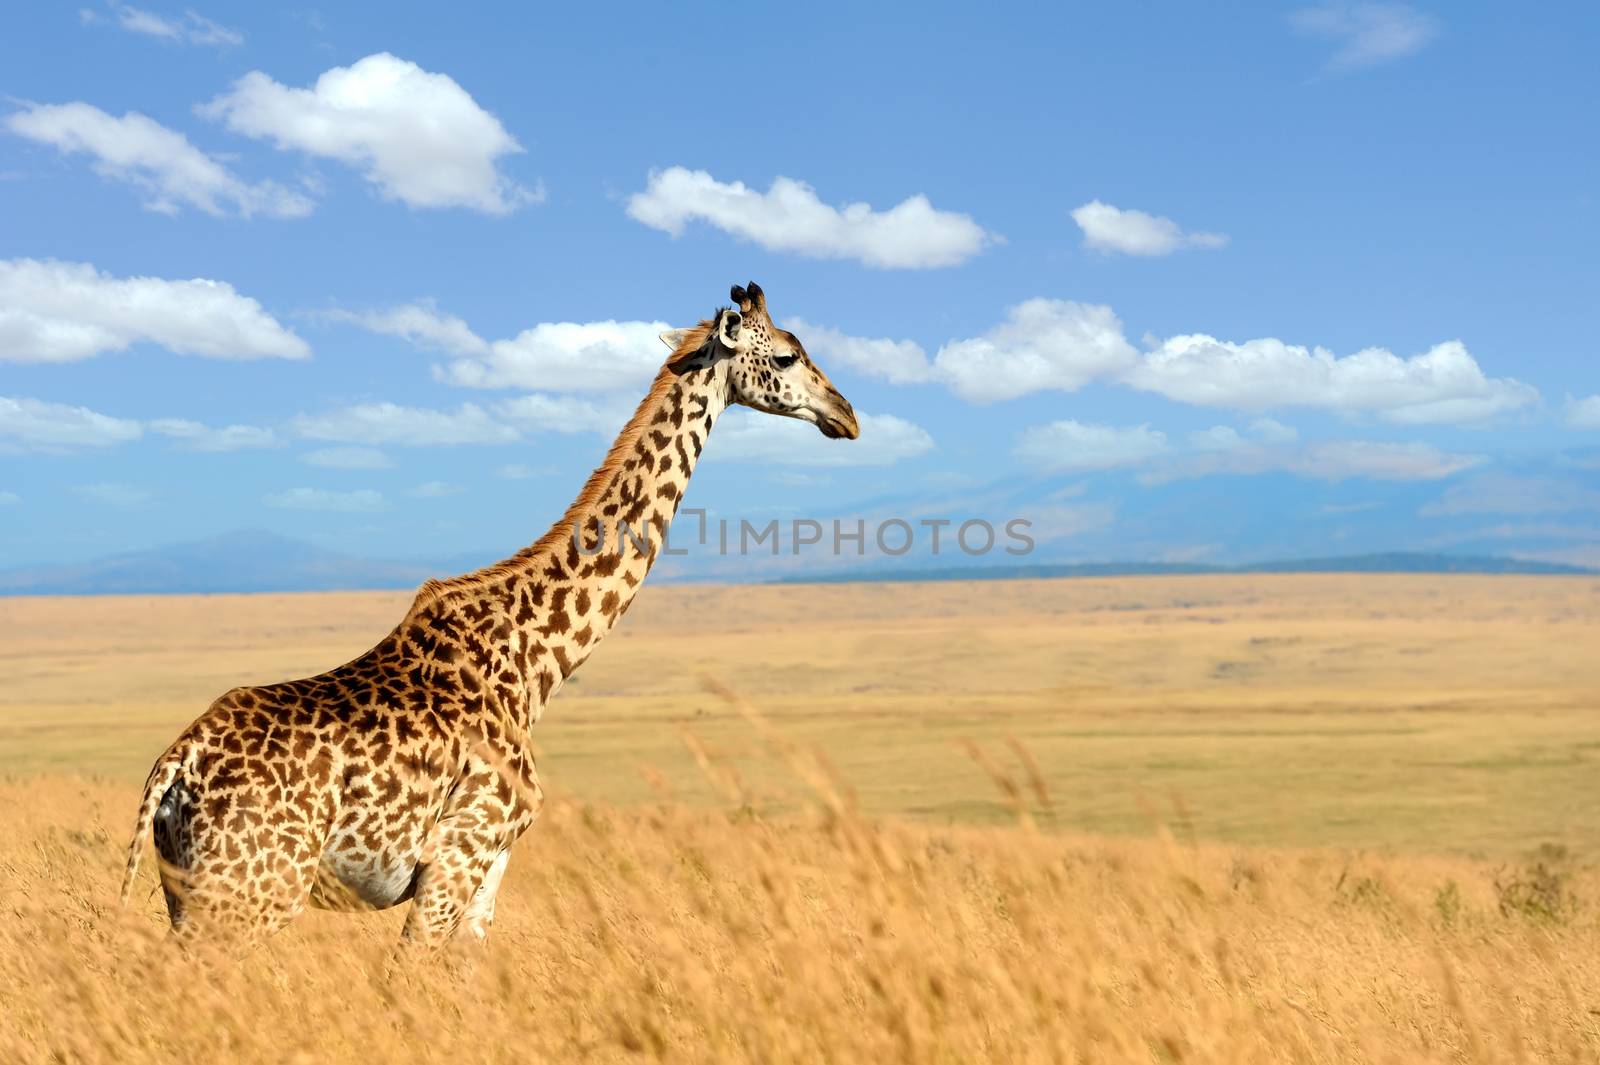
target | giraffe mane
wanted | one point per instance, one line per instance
(435, 590)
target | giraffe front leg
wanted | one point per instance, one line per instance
(450, 884)
(480, 911)
(467, 852)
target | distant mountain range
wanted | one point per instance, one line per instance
(244, 561)
(256, 561)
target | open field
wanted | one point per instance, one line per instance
(1451, 713)
(1275, 818)
(688, 935)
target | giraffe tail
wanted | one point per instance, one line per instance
(162, 776)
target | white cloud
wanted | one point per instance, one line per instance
(192, 28)
(1332, 460)
(113, 495)
(1366, 33)
(1060, 345)
(748, 436)
(1075, 446)
(1111, 229)
(161, 161)
(1442, 385)
(417, 136)
(198, 437)
(567, 356)
(9, 499)
(1273, 431)
(435, 490)
(421, 324)
(1338, 460)
(348, 458)
(360, 500)
(60, 312)
(35, 425)
(567, 414)
(1584, 413)
(1049, 522)
(1216, 438)
(1043, 344)
(899, 362)
(1501, 493)
(789, 217)
(551, 356)
(1224, 438)
(388, 423)
(1070, 446)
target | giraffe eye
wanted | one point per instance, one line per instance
(783, 362)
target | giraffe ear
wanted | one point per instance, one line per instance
(728, 324)
(672, 338)
(758, 299)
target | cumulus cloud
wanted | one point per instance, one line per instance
(198, 437)
(1043, 344)
(1502, 493)
(567, 357)
(1111, 229)
(348, 458)
(417, 136)
(192, 28)
(1224, 451)
(421, 324)
(112, 494)
(435, 490)
(389, 423)
(1366, 34)
(551, 356)
(357, 501)
(60, 312)
(35, 425)
(1265, 447)
(142, 152)
(1060, 345)
(747, 436)
(568, 414)
(1584, 413)
(1069, 445)
(1442, 385)
(1338, 460)
(789, 217)
(900, 362)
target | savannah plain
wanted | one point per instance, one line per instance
(1299, 818)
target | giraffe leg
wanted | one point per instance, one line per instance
(480, 911)
(243, 881)
(467, 852)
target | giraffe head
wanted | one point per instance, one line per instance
(768, 368)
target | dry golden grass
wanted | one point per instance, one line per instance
(693, 935)
(1356, 773)
(1457, 713)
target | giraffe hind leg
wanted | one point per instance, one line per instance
(245, 891)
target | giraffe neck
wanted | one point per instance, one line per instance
(569, 589)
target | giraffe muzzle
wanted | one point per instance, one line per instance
(839, 423)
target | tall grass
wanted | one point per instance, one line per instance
(692, 935)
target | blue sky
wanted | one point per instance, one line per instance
(1170, 280)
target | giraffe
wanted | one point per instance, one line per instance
(406, 773)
